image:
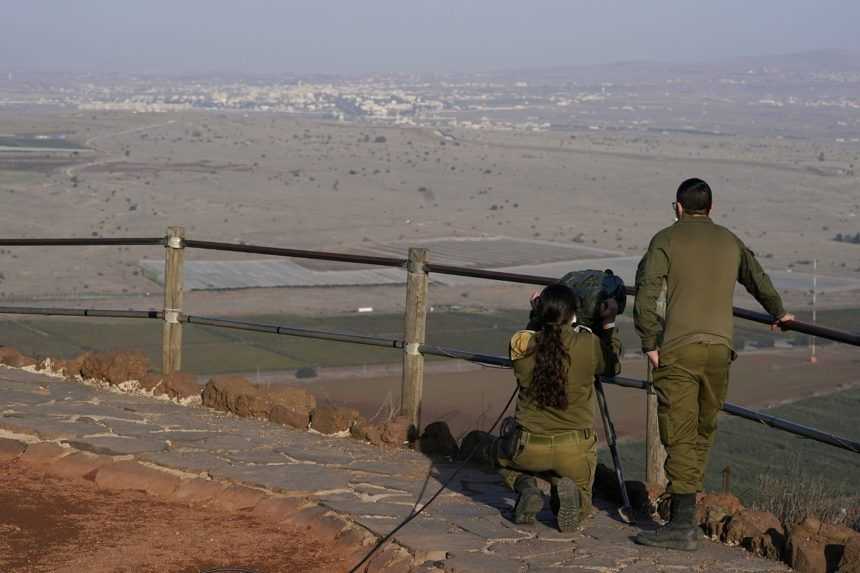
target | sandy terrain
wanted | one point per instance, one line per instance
(54, 525)
(272, 179)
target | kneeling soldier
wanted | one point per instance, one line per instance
(553, 436)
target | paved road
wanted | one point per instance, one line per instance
(467, 529)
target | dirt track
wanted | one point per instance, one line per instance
(63, 525)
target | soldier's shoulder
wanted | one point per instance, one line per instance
(521, 343)
(663, 236)
(728, 234)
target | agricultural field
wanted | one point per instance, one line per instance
(755, 452)
(209, 350)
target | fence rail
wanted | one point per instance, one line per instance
(425, 349)
(412, 345)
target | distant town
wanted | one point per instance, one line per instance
(628, 97)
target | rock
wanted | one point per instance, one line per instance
(436, 440)
(11, 357)
(850, 562)
(291, 406)
(287, 417)
(333, 419)
(397, 431)
(132, 475)
(760, 532)
(152, 383)
(714, 510)
(115, 367)
(180, 385)
(296, 399)
(73, 367)
(237, 498)
(805, 550)
(364, 430)
(11, 449)
(814, 547)
(235, 394)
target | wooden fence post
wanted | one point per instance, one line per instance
(415, 328)
(171, 337)
(655, 453)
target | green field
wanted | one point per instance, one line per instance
(209, 350)
(753, 450)
(30, 142)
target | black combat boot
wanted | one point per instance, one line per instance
(565, 503)
(529, 500)
(681, 531)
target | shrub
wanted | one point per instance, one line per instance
(306, 372)
(795, 498)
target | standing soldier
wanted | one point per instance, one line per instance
(697, 262)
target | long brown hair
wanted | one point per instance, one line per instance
(555, 308)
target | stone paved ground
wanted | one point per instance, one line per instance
(466, 529)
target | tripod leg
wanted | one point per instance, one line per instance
(626, 510)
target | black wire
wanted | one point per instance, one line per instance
(442, 488)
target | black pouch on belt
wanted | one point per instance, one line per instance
(509, 438)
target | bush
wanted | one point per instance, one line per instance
(306, 372)
(793, 499)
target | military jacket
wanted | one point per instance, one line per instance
(696, 263)
(589, 357)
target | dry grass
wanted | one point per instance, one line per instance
(793, 499)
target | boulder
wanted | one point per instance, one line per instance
(760, 532)
(364, 430)
(814, 547)
(333, 419)
(151, 382)
(235, 394)
(11, 357)
(291, 406)
(436, 440)
(73, 366)
(850, 561)
(397, 431)
(288, 417)
(180, 385)
(11, 449)
(714, 510)
(115, 367)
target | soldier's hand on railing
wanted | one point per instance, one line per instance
(782, 322)
(653, 358)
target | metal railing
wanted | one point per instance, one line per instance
(412, 345)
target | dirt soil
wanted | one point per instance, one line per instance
(56, 525)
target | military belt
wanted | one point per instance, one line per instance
(548, 440)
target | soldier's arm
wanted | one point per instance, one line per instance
(608, 353)
(758, 284)
(519, 346)
(650, 277)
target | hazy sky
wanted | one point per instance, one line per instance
(406, 35)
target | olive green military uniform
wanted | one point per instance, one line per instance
(695, 263)
(556, 442)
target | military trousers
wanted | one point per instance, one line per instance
(571, 454)
(691, 384)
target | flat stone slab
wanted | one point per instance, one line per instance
(467, 528)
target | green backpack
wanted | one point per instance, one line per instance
(591, 288)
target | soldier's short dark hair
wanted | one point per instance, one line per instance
(694, 195)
